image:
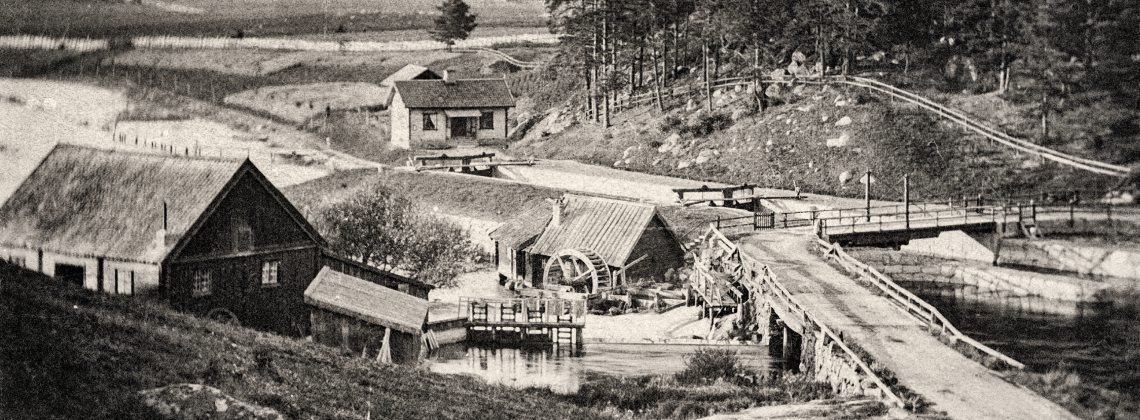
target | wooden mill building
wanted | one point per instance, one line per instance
(619, 241)
(212, 236)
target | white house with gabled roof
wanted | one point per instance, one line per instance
(449, 112)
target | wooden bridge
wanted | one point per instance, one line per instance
(894, 224)
(861, 342)
(524, 321)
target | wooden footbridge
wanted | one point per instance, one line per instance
(524, 321)
(895, 224)
(887, 343)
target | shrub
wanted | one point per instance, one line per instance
(709, 364)
(707, 124)
(670, 123)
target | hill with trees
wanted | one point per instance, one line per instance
(1060, 73)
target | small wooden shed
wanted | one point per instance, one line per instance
(366, 318)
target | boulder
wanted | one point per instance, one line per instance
(1031, 164)
(799, 57)
(824, 119)
(193, 401)
(843, 122)
(683, 164)
(839, 142)
(844, 177)
(738, 114)
(704, 156)
(773, 91)
(628, 151)
(798, 90)
(690, 106)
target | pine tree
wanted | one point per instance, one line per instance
(455, 22)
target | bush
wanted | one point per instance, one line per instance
(707, 124)
(670, 123)
(709, 364)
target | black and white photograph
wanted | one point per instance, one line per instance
(570, 209)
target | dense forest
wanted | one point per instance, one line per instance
(1072, 62)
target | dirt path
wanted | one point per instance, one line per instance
(955, 384)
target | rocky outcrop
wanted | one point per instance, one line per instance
(200, 402)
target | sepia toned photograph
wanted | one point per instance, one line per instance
(570, 209)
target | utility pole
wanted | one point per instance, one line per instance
(906, 199)
(867, 194)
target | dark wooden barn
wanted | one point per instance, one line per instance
(586, 243)
(212, 236)
(366, 318)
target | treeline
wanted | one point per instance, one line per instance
(1054, 49)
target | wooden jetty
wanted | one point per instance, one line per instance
(524, 321)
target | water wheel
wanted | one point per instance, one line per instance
(581, 269)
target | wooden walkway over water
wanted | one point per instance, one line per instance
(524, 321)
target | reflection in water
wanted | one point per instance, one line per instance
(561, 369)
(1036, 331)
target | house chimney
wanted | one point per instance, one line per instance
(555, 212)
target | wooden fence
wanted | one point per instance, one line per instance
(33, 42)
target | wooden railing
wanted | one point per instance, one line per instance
(520, 311)
(522, 64)
(766, 281)
(914, 305)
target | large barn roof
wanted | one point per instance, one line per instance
(92, 202)
(610, 228)
(485, 93)
(341, 293)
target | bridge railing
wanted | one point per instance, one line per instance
(766, 281)
(914, 305)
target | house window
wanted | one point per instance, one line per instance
(269, 272)
(243, 235)
(487, 120)
(202, 283)
(429, 121)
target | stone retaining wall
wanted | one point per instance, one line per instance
(903, 266)
(1072, 257)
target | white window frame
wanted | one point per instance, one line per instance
(269, 273)
(203, 282)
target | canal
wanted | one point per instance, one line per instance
(1098, 340)
(562, 369)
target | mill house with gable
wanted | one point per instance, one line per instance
(616, 241)
(449, 112)
(213, 237)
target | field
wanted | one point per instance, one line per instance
(298, 103)
(102, 19)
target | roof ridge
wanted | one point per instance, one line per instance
(146, 154)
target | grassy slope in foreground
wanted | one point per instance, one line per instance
(71, 353)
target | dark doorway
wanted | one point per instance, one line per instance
(72, 274)
(461, 127)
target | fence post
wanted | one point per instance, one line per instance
(718, 222)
